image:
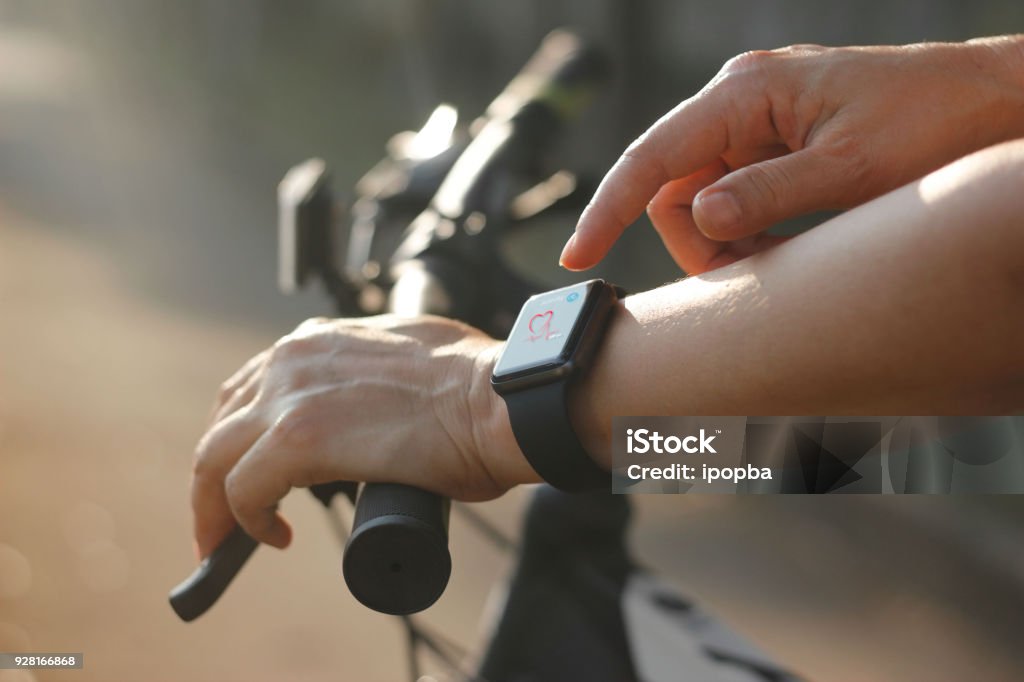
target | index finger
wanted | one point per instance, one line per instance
(216, 455)
(681, 142)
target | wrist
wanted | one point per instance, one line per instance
(590, 407)
(493, 440)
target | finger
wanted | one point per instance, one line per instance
(670, 213)
(695, 253)
(758, 196)
(262, 478)
(216, 454)
(236, 381)
(671, 209)
(686, 139)
(240, 398)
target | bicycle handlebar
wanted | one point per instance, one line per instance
(396, 559)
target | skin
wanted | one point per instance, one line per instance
(806, 128)
(906, 304)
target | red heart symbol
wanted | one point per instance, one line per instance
(546, 317)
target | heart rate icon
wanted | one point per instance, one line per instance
(540, 324)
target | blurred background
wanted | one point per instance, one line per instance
(141, 142)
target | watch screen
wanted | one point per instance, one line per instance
(543, 329)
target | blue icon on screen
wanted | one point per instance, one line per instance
(572, 297)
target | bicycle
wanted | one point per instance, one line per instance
(423, 238)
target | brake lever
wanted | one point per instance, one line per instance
(197, 593)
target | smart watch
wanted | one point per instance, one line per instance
(552, 342)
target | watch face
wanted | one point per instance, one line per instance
(543, 331)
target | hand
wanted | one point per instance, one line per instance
(806, 128)
(379, 399)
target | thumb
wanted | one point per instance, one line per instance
(752, 199)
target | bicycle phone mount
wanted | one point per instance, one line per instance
(422, 237)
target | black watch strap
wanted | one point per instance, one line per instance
(566, 465)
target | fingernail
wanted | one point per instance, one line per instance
(566, 249)
(719, 210)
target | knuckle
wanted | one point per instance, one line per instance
(204, 465)
(225, 391)
(768, 181)
(238, 500)
(642, 159)
(297, 429)
(751, 63)
(233, 488)
(291, 346)
(312, 323)
(639, 155)
(743, 78)
(645, 147)
(849, 153)
(276, 352)
(638, 148)
(660, 212)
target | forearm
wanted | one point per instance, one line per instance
(907, 305)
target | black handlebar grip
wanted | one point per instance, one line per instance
(199, 591)
(397, 560)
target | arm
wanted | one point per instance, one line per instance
(910, 304)
(806, 128)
